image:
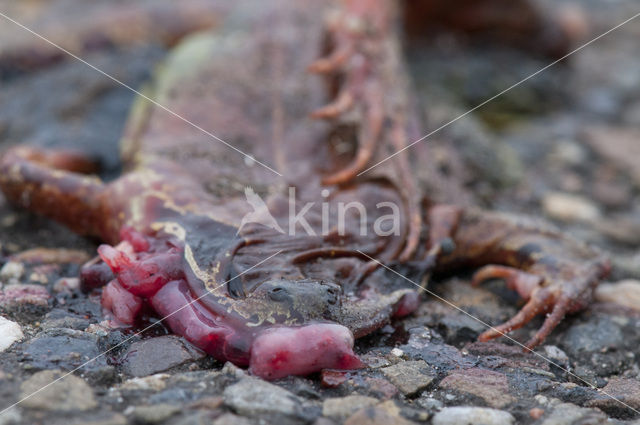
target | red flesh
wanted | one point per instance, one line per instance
(148, 270)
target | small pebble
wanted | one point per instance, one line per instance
(10, 332)
(64, 395)
(410, 377)
(625, 293)
(397, 352)
(570, 208)
(464, 415)
(255, 398)
(536, 413)
(11, 272)
(343, 407)
(66, 284)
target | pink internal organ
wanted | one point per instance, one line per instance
(281, 351)
(149, 273)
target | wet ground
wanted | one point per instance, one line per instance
(565, 145)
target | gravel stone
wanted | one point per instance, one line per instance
(343, 407)
(382, 414)
(568, 207)
(410, 377)
(464, 415)
(157, 382)
(158, 355)
(11, 272)
(569, 414)
(63, 348)
(625, 293)
(68, 394)
(231, 419)
(626, 390)
(24, 302)
(10, 332)
(106, 418)
(490, 386)
(154, 414)
(12, 416)
(255, 397)
(595, 335)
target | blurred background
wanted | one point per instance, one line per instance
(565, 144)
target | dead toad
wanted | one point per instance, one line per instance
(288, 297)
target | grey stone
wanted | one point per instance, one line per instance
(556, 354)
(381, 414)
(595, 335)
(255, 397)
(464, 415)
(569, 414)
(158, 355)
(410, 377)
(627, 390)
(201, 417)
(231, 419)
(59, 318)
(102, 418)
(154, 414)
(343, 407)
(63, 348)
(490, 386)
(68, 394)
(12, 416)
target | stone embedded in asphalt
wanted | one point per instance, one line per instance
(65, 395)
(24, 302)
(63, 348)
(343, 407)
(490, 386)
(569, 207)
(254, 397)
(467, 415)
(598, 334)
(10, 332)
(157, 382)
(102, 417)
(410, 377)
(554, 353)
(12, 416)
(626, 390)
(567, 413)
(231, 419)
(59, 318)
(158, 354)
(381, 414)
(154, 414)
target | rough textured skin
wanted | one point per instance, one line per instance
(173, 218)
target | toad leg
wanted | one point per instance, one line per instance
(553, 272)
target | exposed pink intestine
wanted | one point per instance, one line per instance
(124, 305)
(148, 272)
(281, 351)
